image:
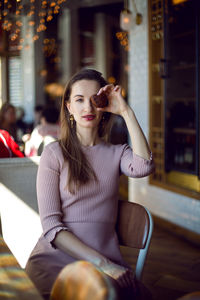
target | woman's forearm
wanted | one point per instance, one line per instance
(69, 243)
(138, 140)
(117, 105)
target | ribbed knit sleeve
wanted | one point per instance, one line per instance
(48, 194)
(132, 165)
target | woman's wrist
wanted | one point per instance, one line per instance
(101, 261)
(126, 111)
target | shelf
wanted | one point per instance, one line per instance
(158, 140)
(183, 34)
(162, 172)
(156, 150)
(183, 99)
(185, 130)
(184, 67)
(181, 170)
(157, 129)
(157, 99)
(159, 161)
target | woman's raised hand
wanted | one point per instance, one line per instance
(117, 104)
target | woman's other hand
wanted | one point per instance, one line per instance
(124, 276)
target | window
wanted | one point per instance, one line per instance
(174, 81)
(15, 81)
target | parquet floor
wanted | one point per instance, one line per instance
(172, 268)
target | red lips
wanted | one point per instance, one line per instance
(89, 117)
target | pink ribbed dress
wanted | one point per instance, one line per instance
(90, 213)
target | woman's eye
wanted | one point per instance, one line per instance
(79, 100)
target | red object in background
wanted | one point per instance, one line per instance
(8, 147)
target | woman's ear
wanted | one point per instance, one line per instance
(67, 104)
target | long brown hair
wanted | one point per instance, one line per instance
(80, 171)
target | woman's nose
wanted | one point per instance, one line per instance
(88, 105)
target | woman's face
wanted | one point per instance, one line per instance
(80, 105)
(10, 116)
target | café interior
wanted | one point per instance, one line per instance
(152, 49)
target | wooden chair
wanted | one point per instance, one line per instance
(134, 229)
(81, 280)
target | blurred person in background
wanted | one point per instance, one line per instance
(8, 119)
(8, 147)
(47, 131)
(37, 118)
(37, 115)
(23, 128)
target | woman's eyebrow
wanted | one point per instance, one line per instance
(78, 96)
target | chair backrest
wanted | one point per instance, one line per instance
(134, 229)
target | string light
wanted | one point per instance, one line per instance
(122, 36)
(11, 18)
(49, 47)
(128, 19)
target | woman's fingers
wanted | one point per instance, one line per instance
(121, 282)
(132, 280)
(117, 88)
(100, 91)
(109, 88)
(126, 279)
(123, 275)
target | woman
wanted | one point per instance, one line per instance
(8, 119)
(77, 184)
(44, 133)
(8, 147)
